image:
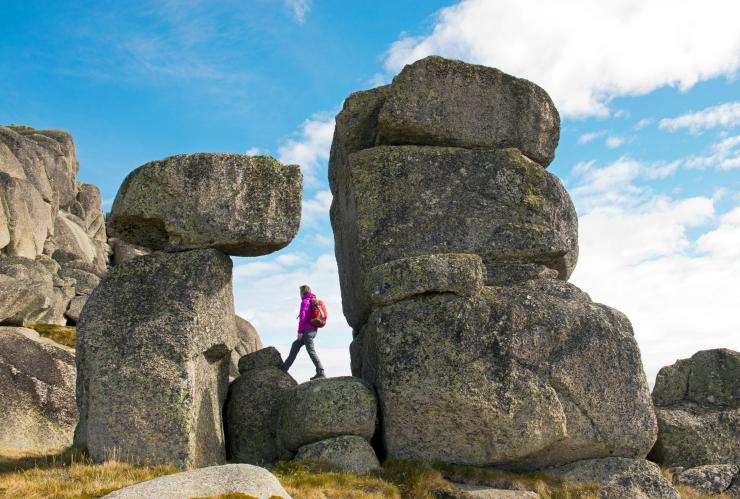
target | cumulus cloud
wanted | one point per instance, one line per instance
(586, 53)
(663, 261)
(310, 148)
(614, 141)
(725, 115)
(589, 136)
(316, 209)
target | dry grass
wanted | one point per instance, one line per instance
(323, 481)
(68, 474)
(64, 335)
(546, 486)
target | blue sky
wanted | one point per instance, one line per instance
(648, 92)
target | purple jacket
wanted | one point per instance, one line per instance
(304, 316)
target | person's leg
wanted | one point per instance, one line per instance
(308, 338)
(295, 347)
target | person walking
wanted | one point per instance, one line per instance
(306, 334)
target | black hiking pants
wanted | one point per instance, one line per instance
(306, 339)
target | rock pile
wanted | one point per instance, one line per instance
(53, 248)
(480, 351)
(268, 416)
(156, 337)
(697, 402)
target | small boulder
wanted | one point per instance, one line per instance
(251, 414)
(26, 218)
(619, 478)
(442, 102)
(326, 408)
(248, 341)
(26, 291)
(123, 251)
(697, 403)
(37, 387)
(709, 479)
(265, 357)
(74, 310)
(241, 205)
(349, 452)
(86, 281)
(213, 481)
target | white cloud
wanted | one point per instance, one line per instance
(256, 151)
(724, 155)
(637, 254)
(588, 137)
(311, 148)
(724, 115)
(642, 123)
(614, 141)
(586, 53)
(299, 9)
(316, 209)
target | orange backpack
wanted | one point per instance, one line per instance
(318, 313)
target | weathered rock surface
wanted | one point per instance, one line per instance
(252, 412)
(123, 251)
(241, 205)
(494, 203)
(26, 290)
(208, 482)
(709, 479)
(348, 452)
(248, 341)
(458, 273)
(485, 492)
(697, 402)
(265, 357)
(619, 478)
(37, 387)
(441, 102)
(525, 376)
(26, 218)
(75, 308)
(326, 408)
(153, 356)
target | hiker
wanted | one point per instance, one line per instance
(306, 334)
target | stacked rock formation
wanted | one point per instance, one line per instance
(269, 416)
(697, 402)
(53, 247)
(454, 246)
(155, 338)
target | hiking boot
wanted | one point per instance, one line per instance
(319, 375)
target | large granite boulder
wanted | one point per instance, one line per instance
(252, 408)
(37, 387)
(441, 102)
(619, 478)
(248, 341)
(153, 350)
(523, 376)
(229, 480)
(349, 452)
(497, 204)
(25, 220)
(697, 402)
(26, 290)
(241, 205)
(326, 408)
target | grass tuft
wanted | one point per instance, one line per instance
(318, 480)
(64, 335)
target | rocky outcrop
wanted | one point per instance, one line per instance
(697, 402)
(453, 245)
(252, 408)
(156, 337)
(619, 478)
(232, 480)
(347, 452)
(240, 205)
(153, 352)
(326, 408)
(37, 383)
(708, 479)
(45, 213)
